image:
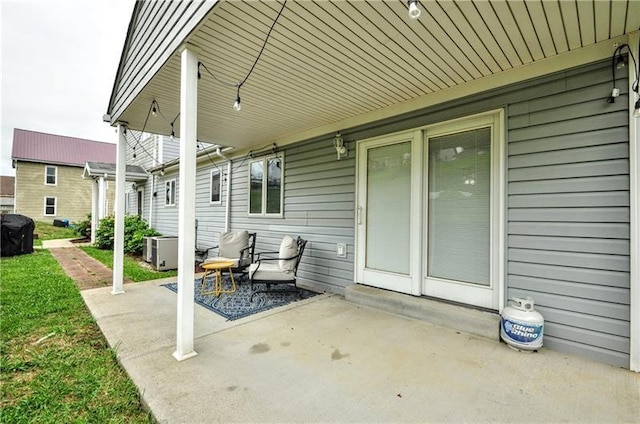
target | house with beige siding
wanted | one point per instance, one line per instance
(481, 152)
(49, 183)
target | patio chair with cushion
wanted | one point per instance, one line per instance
(279, 270)
(237, 247)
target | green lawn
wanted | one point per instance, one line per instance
(133, 269)
(56, 365)
(46, 231)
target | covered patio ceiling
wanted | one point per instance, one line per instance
(330, 65)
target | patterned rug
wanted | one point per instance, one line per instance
(239, 305)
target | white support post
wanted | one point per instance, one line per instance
(634, 190)
(95, 199)
(102, 197)
(118, 237)
(187, 203)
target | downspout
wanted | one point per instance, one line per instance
(153, 187)
(227, 207)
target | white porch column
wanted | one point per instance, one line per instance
(187, 202)
(95, 199)
(102, 198)
(118, 236)
(634, 189)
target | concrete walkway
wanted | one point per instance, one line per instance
(327, 360)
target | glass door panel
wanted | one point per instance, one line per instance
(459, 207)
(388, 208)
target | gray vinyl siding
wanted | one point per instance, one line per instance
(142, 149)
(157, 29)
(165, 218)
(568, 214)
(319, 202)
(210, 216)
(170, 149)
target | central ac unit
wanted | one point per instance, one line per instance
(146, 248)
(164, 253)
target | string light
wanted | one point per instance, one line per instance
(414, 10)
(237, 105)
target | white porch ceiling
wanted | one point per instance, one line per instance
(330, 61)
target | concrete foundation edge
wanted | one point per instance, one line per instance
(468, 320)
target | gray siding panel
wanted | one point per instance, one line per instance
(319, 202)
(568, 215)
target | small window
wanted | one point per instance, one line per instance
(50, 175)
(170, 196)
(216, 187)
(265, 186)
(50, 206)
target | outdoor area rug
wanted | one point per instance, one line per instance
(238, 305)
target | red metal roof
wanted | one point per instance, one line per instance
(35, 146)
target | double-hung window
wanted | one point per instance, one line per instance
(50, 175)
(266, 177)
(170, 193)
(216, 187)
(50, 206)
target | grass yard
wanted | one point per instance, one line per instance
(133, 269)
(47, 231)
(56, 365)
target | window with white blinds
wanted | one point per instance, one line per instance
(459, 213)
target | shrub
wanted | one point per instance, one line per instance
(83, 228)
(135, 228)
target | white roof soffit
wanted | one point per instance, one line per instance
(334, 65)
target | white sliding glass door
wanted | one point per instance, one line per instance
(430, 215)
(462, 204)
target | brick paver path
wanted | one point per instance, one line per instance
(87, 272)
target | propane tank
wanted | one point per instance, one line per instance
(521, 327)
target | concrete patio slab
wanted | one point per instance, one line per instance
(328, 360)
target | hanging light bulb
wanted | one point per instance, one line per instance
(173, 134)
(620, 63)
(636, 109)
(154, 110)
(236, 105)
(414, 10)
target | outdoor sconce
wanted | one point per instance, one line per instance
(341, 148)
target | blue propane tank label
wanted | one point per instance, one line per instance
(523, 332)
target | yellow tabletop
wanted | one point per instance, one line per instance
(212, 266)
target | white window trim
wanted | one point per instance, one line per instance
(55, 206)
(215, 202)
(175, 192)
(55, 169)
(263, 213)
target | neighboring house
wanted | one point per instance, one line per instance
(7, 190)
(471, 156)
(49, 183)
